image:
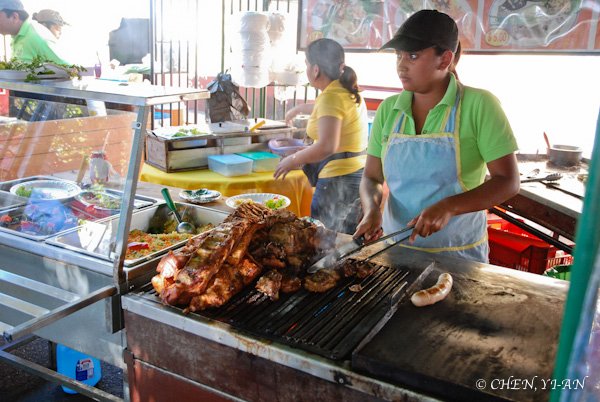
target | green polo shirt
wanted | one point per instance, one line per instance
(484, 131)
(32, 41)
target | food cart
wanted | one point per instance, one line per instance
(367, 345)
(60, 281)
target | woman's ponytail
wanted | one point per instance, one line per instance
(329, 56)
(349, 80)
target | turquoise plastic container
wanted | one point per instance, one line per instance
(78, 366)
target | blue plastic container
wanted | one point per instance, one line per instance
(78, 366)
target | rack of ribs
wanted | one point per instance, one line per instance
(216, 265)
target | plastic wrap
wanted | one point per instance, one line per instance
(253, 21)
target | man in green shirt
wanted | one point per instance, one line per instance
(29, 38)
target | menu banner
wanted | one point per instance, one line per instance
(559, 26)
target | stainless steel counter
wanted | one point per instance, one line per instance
(544, 203)
(518, 309)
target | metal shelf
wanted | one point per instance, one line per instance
(109, 91)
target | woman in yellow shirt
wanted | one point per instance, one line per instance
(338, 125)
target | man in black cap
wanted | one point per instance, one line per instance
(431, 144)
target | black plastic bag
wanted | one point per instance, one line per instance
(225, 102)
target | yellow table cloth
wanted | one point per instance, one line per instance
(295, 186)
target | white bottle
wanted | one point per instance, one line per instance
(99, 168)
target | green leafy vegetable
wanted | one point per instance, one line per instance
(24, 191)
(275, 203)
(40, 66)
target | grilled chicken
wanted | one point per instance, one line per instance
(213, 267)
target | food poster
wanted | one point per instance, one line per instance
(355, 24)
(464, 12)
(567, 26)
(538, 25)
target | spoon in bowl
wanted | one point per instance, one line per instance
(182, 227)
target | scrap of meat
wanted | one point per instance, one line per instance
(290, 283)
(359, 269)
(269, 284)
(321, 281)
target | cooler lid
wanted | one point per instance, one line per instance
(256, 156)
(228, 159)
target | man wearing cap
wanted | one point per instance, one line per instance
(29, 38)
(431, 144)
(52, 20)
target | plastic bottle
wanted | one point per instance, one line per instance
(78, 366)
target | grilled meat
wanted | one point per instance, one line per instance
(226, 283)
(269, 284)
(213, 267)
(360, 269)
(193, 279)
(321, 281)
(290, 283)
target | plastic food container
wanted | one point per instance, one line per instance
(230, 165)
(285, 147)
(262, 161)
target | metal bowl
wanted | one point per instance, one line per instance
(46, 190)
(100, 200)
(564, 155)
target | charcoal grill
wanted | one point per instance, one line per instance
(329, 324)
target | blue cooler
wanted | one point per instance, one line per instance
(262, 161)
(230, 165)
(78, 366)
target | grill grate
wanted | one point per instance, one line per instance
(330, 324)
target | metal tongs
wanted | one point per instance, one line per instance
(352, 247)
(550, 177)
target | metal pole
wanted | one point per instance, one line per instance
(587, 241)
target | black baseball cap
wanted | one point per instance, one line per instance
(423, 29)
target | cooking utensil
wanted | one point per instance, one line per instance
(556, 186)
(550, 177)
(347, 249)
(564, 155)
(533, 173)
(547, 140)
(258, 125)
(400, 240)
(182, 227)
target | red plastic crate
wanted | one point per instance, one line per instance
(512, 247)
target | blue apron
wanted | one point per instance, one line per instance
(421, 170)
